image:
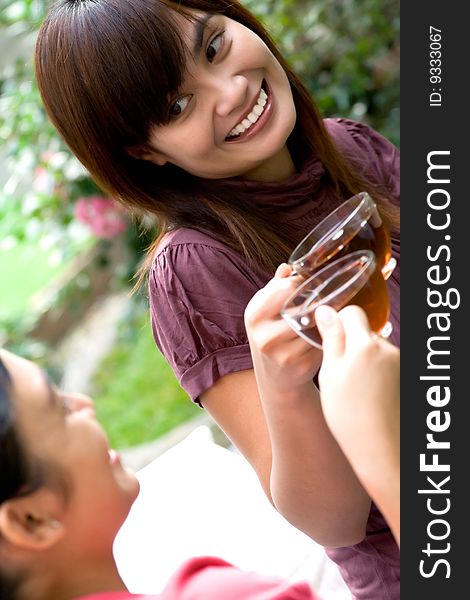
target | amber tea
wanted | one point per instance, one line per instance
(354, 225)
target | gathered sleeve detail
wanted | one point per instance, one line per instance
(198, 292)
(375, 156)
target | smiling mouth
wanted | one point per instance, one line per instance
(246, 124)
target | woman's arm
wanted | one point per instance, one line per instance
(363, 412)
(299, 464)
(281, 431)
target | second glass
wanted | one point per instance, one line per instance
(353, 279)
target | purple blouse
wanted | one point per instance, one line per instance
(199, 288)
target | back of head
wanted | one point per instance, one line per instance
(14, 469)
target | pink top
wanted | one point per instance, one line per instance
(208, 578)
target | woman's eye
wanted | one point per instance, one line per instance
(178, 107)
(214, 47)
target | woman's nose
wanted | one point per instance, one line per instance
(81, 402)
(232, 95)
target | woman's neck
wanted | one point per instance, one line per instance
(75, 581)
(278, 168)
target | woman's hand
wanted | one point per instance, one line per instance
(359, 378)
(360, 396)
(275, 347)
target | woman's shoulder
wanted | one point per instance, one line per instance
(184, 243)
(189, 258)
(355, 135)
(184, 236)
(373, 155)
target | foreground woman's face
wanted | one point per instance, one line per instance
(61, 430)
(234, 111)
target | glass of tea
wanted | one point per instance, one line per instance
(352, 279)
(354, 225)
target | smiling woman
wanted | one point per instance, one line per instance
(234, 104)
(57, 453)
(61, 431)
(188, 111)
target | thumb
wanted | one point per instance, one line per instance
(331, 329)
(283, 270)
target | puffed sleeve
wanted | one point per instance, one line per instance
(376, 157)
(198, 291)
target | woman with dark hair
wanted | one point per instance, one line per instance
(188, 111)
(63, 497)
(64, 493)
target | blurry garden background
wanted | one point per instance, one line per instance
(67, 254)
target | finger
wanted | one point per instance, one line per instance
(279, 289)
(331, 329)
(267, 302)
(283, 270)
(300, 352)
(356, 326)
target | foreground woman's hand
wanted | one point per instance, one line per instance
(360, 396)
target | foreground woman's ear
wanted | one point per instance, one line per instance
(145, 152)
(32, 522)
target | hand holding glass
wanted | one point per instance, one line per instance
(352, 279)
(354, 225)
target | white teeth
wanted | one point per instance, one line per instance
(252, 116)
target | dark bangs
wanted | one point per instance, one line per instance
(13, 459)
(116, 63)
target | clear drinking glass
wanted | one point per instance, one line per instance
(352, 279)
(354, 225)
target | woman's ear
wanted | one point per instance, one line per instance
(145, 152)
(32, 522)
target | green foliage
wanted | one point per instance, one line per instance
(23, 270)
(42, 179)
(14, 336)
(25, 12)
(347, 53)
(136, 394)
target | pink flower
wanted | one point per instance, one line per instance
(104, 216)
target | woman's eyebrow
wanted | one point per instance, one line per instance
(199, 27)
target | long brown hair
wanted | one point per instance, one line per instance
(105, 70)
